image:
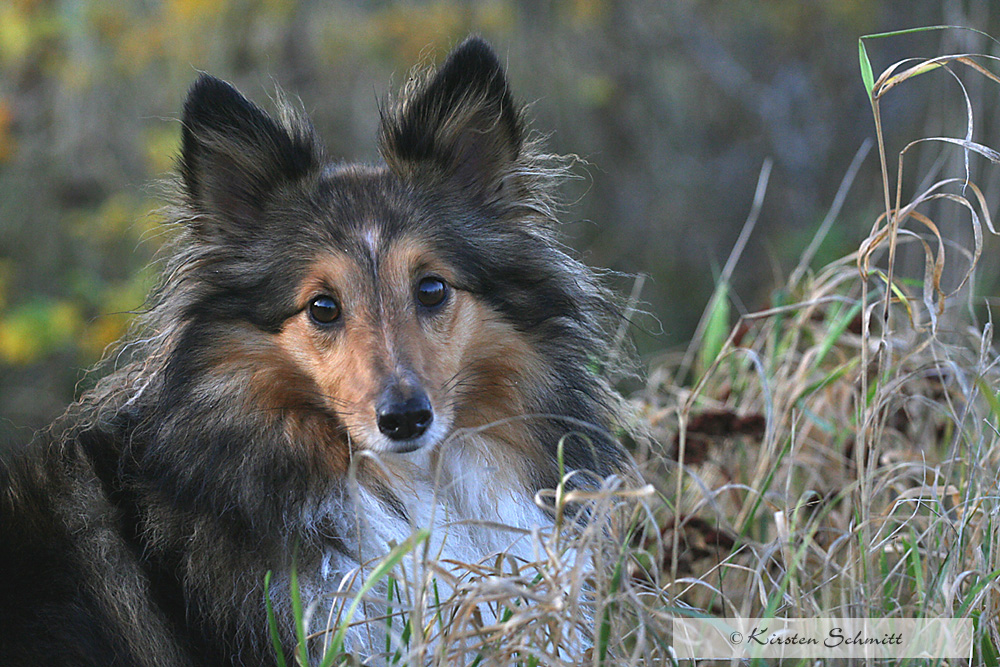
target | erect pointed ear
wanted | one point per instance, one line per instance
(460, 122)
(233, 154)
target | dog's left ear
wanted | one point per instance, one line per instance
(461, 123)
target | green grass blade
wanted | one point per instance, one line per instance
(716, 330)
(973, 593)
(988, 654)
(915, 567)
(604, 633)
(272, 622)
(832, 377)
(437, 608)
(380, 572)
(388, 614)
(867, 75)
(837, 330)
(928, 28)
(866, 71)
(300, 622)
(766, 486)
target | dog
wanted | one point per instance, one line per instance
(336, 354)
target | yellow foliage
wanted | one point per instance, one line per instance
(17, 345)
(64, 321)
(36, 329)
(121, 215)
(587, 12)
(6, 273)
(25, 26)
(28, 6)
(139, 45)
(280, 7)
(116, 215)
(7, 142)
(127, 297)
(110, 21)
(411, 30)
(100, 334)
(118, 306)
(191, 11)
(15, 33)
(494, 16)
(415, 31)
(76, 75)
(162, 144)
(596, 90)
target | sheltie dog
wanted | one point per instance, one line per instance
(336, 355)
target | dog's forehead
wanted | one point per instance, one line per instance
(376, 227)
(367, 189)
(366, 207)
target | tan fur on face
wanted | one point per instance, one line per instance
(475, 367)
(243, 360)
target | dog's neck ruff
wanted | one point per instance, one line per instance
(472, 509)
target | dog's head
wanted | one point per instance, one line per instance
(391, 304)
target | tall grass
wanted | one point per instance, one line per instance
(836, 454)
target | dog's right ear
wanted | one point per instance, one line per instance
(233, 154)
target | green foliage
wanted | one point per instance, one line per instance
(39, 326)
(272, 622)
(867, 78)
(717, 329)
(381, 571)
(334, 652)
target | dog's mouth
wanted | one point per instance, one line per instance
(436, 430)
(405, 447)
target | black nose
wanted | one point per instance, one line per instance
(404, 418)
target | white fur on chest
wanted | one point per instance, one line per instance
(465, 503)
(472, 507)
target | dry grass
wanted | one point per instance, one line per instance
(836, 454)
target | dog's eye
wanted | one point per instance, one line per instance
(431, 292)
(324, 310)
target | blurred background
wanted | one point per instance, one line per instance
(673, 104)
